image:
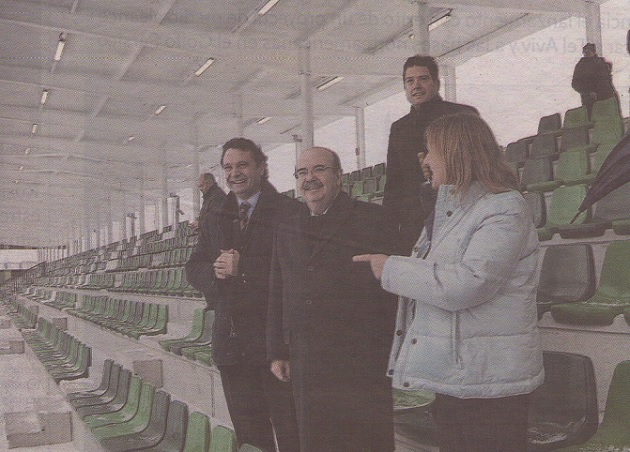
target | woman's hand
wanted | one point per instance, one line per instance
(377, 262)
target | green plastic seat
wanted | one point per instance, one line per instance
(137, 423)
(137, 391)
(150, 435)
(195, 331)
(567, 275)
(412, 415)
(565, 203)
(614, 432)
(574, 168)
(198, 434)
(537, 175)
(576, 117)
(612, 296)
(223, 440)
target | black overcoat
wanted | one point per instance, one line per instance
(331, 319)
(238, 333)
(407, 201)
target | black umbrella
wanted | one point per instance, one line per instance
(614, 172)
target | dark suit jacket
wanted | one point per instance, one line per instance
(241, 304)
(330, 318)
(406, 201)
(213, 199)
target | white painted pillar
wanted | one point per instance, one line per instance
(164, 206)
(450, 83)
(195, 171)
(359, 126)
(422, 42)
(238, 114)
(308, 127)
(594, 25)
(141, 218)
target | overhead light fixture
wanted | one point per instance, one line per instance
(440, 21)
(60, 46)
(131, 138)
(265, 9)
(328, 83)
(44, 97)
(204, 66)
(21, 168)
(160, 109)
(27, 151)
(263, 120)
(34, 129)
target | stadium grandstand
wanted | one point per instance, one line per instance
(109, 111)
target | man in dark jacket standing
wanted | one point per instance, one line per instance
(407, 200)
(213, 198)
(206, 223)
(330, 323)
(238, 264)
(592, 78)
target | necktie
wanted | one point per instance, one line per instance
(243, 210)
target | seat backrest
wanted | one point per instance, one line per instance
(223, 440)
(617, 412)
(572, 165)
(566, 402)
(516, 152)
(208, 320)
(536, 203)
(567, 273)
(249, 448)
(575, 117)
(379, 170)
(198, 433)
(614, 283)
(176, 423)
(543, 145)
(549, 123)
(565, 203)
(537, 170)
(574, 137)
(614, 206)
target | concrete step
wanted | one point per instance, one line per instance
(50, 422)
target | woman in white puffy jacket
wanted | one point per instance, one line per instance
(467, 323)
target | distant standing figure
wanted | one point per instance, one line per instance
(592, 78)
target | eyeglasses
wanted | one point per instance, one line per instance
(317, 170)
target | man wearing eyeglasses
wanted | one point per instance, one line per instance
(329, 320)
(237, 262)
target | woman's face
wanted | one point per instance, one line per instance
(435, 162)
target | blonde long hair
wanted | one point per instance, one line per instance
(470, 153)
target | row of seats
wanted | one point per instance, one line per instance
(611, 212)
(128, 317)
(568, 289)
(22, 316)
(160, 259)
(166, 282)
(63, 356)
(563, 411)
(577, 132)
(125, 413)
(197, 345)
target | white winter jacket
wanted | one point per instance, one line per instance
(467, 322)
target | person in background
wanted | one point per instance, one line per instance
(592, 78)
(467, 322)
(213, 198)
(206, 224)
(330, 324)
(407, 199)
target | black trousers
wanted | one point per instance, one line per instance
(257, 400)
(481, 425)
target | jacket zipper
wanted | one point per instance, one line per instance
(455, 339)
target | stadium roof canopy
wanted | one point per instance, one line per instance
(105, 99)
